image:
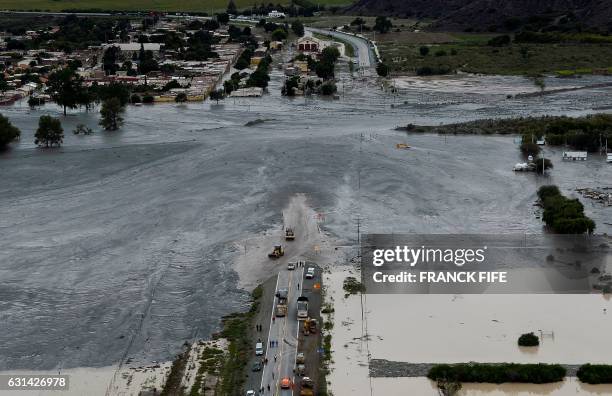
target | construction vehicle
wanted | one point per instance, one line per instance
(307, 387)
(300, 358)
(277, 252)
(281, 304)
(302, 307)
(289, 234)
(310, 326)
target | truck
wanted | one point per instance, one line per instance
(310, 326)
(302, 307)
(281, 303)
(307, 387)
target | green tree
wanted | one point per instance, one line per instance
(217, 95)
(279, 34)
(146, 61)
(330, 54)
(382, 69)
(543, 164)
(528, 340)
(181, 97)
(328, 88)
(115, 90)
(3, 84)
(223, 18)
(49, 132)
(298, 28)
(8, 132)
(111, 114)
(382, 24)
(231, 8)
(424, 50)
(66, 88)
(324, 70)
(109, 59)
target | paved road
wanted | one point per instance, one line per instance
(284, 331)
(365, 56)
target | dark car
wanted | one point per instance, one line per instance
(256, 366)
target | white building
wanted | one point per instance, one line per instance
(276, 14)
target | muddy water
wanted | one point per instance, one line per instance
(437, 328)
(424, 387)
(485, 328)
(122, 245)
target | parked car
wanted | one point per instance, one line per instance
(259, 349)
(310, 273)
(257, 366)
(250, 393)
(285, 383)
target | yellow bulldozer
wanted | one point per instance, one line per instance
(310, 326)
(277, 252)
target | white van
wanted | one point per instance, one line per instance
(259, 349)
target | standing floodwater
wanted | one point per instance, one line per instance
(120, 245)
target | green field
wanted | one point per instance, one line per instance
(137, 5)
(470, 53)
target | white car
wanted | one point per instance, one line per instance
(291, 266)
(259, 349)
(250, 393)
(310, 273)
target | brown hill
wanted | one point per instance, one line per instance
(495, 15)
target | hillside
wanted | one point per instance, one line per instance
(137, 5)
(495, 15)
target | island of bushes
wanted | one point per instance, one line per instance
(498, 373)
(581, 133)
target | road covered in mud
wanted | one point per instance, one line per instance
(120, 246)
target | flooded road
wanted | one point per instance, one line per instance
(120, 246)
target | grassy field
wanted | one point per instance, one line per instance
(470, 53)
(137, 5)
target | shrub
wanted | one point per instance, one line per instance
(564, 215)
(328, 88)
(148, 99)
(528, 340)
(499, 41)
(595, 373)
(424, 50)
(498, 373)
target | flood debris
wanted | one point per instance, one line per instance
(603, 195)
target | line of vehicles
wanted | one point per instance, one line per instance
(309, 325)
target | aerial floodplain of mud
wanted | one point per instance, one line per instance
(125, 254)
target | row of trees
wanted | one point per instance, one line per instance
(50, 131)
(563, 215)
(67, 89)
